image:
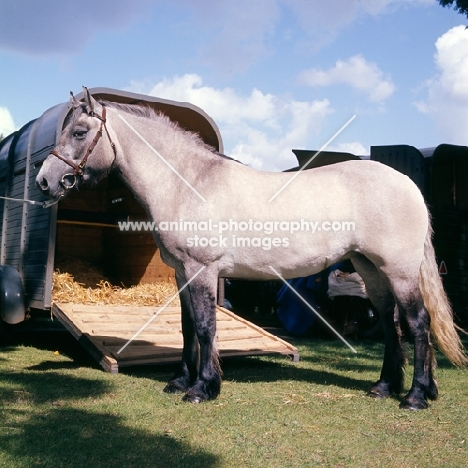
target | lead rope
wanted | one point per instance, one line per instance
(44, 204)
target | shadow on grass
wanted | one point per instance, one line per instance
(255, 370)
(51, 340)
(245, 370)
(322, 362)
(73, 437)
(39, 427)
(338, 371)
(53, 365)
(48, 387)
(315, 353)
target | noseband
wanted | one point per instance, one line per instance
(78, 168)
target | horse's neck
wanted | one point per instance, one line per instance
(158, 165)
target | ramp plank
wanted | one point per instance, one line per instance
(104, 329)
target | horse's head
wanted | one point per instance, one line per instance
(69, 164)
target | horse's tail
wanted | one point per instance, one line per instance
(437, 304)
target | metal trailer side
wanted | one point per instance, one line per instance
(28, 231)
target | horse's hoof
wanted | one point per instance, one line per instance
(203, 390)
(379, 390)
(174, 387)
(171, 389)
(189, 398)
(414, 405)
(376, 394)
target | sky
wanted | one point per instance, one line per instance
(275, 75)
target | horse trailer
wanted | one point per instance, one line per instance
(33, 236)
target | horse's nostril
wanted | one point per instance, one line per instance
(44, 185)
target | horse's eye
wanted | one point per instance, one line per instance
(79, 133)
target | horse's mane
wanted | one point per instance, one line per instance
(142, 110)
(148, 112)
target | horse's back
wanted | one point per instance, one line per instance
(356, 176)
(368, 192)
(353, 206)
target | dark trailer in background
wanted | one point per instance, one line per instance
(441, 173)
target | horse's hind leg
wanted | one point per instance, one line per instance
(400, 304)
(415, 316)
(188, 371)
(391, 376)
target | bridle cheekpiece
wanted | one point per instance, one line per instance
(78, 168)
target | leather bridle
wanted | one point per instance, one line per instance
(78, 168)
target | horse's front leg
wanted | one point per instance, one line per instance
(202, 292)
(188, 371)
(199, 374)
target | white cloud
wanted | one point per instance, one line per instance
(223, 104)
(7, 124)
(447, 92)
(452, 60)
(265, 148)
(258, 129)
(363, 76)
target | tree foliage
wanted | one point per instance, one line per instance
(460, 5)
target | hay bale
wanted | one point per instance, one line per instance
(76, 280)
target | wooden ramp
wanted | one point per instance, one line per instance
(104, 329)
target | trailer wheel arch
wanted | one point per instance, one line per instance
(12, 305)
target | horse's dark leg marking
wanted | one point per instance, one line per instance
(188, 371)
(424, 385)
(408, 311)
(208, 382)
(391, 376)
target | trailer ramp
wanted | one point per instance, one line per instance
(104, 329)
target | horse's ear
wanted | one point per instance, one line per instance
(74, 101)
(89, 101)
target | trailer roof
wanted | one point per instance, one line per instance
(189, 116)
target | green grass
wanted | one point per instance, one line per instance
(62, 410)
